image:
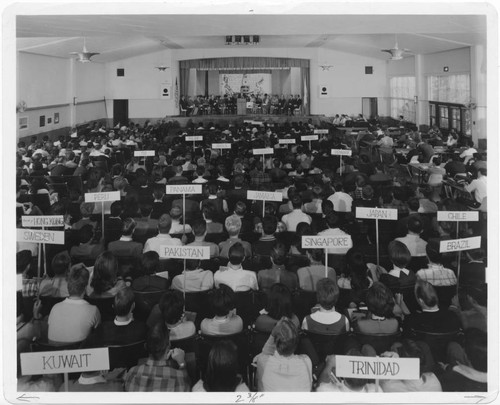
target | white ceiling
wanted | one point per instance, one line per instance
(117, 37)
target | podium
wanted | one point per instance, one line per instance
(241, 106)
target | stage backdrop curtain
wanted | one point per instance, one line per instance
(184, 81)
(239, 63)
(305, 90)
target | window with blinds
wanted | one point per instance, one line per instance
(402, 93)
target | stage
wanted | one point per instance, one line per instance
(225, 120)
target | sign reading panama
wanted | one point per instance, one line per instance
(184, 189)
(264, 195)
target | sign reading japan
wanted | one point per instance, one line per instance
(185, 252)
(341, 152)
(377, 213)
(327, 242)
(321, 131)
(263, 151)
(42, 220)
(286, 141)
(102, 197)
(194, 138)
(140, 153)
(309, 138)
(458, 216)
(457, 245)
(184, 189)
(221, 146)
(383, 368)
(65, 361)
(31, 235)
(264, 195)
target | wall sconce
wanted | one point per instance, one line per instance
(446, 69)
(162, 68)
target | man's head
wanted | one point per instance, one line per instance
(399, 254)
(426, 294)
(296, 202)
(222, 300)
(176, 213)
(86, 209)
(327, 292)
(236, 254)
(269, 224)
(150, 262)
(86, 233)
(78, 280)
(199, 228)
(124, 302)
(332, 220)
(128, 227)
(286, 337)
(415, 225)
(116, 208)
(432, 251)
(61, 263)
(278, 254)
(164, 224)
(172, 306)
(233, 225)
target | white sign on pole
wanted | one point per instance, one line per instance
(458, 216)
(457, 245)
(65, 361)
(321, 131)
(263, 151)
(309, 138)
(221, 146)
(184, 189)
(247, 121)
(341, 152)
(377, 213)
(194, 138)
(287, 141)
(40, 236)
(256, 122)
(144, 153)
(383, 368)
(42, 220)
(264, 195)
(185, 252)
(102, 197)
(327, 242)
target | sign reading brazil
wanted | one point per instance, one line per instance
(383, 368)
(457, 245)
(185, 252)
(65, 361)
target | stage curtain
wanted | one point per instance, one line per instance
(184, 80)
(305, 90)
(239, 63)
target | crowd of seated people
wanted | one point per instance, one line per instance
(262, 313)
(227, 104)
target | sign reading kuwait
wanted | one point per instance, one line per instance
(263, 151)
(143, 153)
(42, 220)
(326, 242)
(377, 367)
(377, 213)
(194, 138)
(458, 216)
(287, 141)
(102, 197)
(309, 138)
(264, 195)
(341, 152)
(40, 236)
(457, 245)
(321, 131)
(185, 252)
(221, 146)
(184, 189)
(64, 361)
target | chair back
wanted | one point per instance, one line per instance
(40, 346)
(126, 356)
(445, 295)
(381, 342)
(325, 345)
(302, 302)
(198, 302)
(105, 306)
(437, 341)
(48, 302)
(247, 306)
(144, 303)
(417, 263)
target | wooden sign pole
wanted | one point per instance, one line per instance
(326, 263)
(102, 217)
(44, 258)
(66, 382)
(376, 231)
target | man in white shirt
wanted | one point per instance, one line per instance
(478, 186)
(233, 275)
(415, 244)
(297, 216)
(332, 221)
(342, 202)
(163, 238)
(177, 226)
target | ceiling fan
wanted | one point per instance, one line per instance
(396, 52)
(84, 56)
